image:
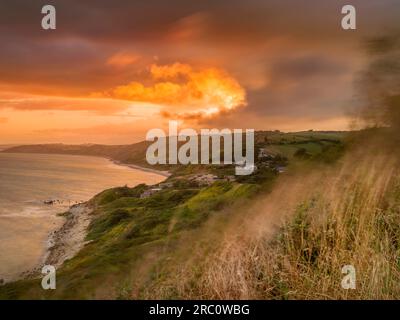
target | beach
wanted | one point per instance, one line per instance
(133, 166)
(65, 242)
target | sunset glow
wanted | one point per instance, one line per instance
(207, 68)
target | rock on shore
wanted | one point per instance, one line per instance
(66, 242)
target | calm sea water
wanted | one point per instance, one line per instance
(27, 180)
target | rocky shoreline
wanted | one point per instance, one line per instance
(65, 243)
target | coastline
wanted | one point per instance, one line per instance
(66, 241)
(116, 162)
(134, 166)
(67, 237)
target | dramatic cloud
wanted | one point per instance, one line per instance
(185, 91)
(275, 64)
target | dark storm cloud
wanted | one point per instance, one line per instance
(307, 67)
(122, 20)
(304, 86)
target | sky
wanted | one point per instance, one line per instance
(112, 70)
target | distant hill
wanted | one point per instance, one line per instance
(278, 142)
(6, 146)
(133, 153)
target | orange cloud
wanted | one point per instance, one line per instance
(3, 120)
(122, 59)
(185, 91)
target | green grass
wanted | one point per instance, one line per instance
(133, 241)
(124, 230)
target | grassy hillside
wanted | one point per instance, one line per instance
(129, 236)
(160, 246)
(343, 214)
